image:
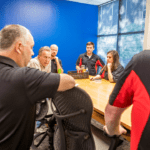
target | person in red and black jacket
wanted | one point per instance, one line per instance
(132, 88)
(89, 59)
(113, 68)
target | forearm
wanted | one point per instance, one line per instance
(97, 77)
(112, 119)
(110, 76)
(59, 66)
(112, 124)
(62, 71)
(66, 82)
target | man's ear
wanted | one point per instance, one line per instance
(18, 47)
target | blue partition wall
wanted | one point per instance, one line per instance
(121, 27)
(68, 24)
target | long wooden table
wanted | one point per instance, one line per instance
(99, 92)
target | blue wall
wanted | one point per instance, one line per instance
(68, 24)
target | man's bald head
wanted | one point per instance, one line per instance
(11, 34)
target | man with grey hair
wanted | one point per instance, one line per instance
(56, 64)
(21, 88)
(42, 61)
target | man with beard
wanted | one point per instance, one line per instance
(56, 64)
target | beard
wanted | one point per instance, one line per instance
(53, 55)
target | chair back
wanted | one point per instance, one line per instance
(75, 109)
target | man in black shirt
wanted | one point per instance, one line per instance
(89, 60)
(21, 87)
(56, 64)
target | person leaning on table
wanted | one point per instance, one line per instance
(21, 88)
(113, 69)
(132, 88)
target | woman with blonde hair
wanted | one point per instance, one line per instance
(113, 69)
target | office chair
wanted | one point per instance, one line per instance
(69, 128)
(115, 141)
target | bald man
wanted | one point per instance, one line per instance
(56, 64)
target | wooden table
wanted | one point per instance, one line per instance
(99, 92)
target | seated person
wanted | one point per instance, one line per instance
(89, 59)
(113, 69)
(42, 61)
(56, 63)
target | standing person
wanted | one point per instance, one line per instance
(56, 64)
(113, 68)
(42, 61)
(21, 88)
(89, 59)
(132, 88)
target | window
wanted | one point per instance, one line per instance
(121, 26)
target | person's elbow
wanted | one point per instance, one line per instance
(71, 83)
(66, 82)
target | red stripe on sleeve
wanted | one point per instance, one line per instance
(124, 97)
(96, 64)
(80, 63)
(103, 74)
(133, 91)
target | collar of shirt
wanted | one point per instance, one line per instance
(85, 54)
(42, 67)
(8, 61)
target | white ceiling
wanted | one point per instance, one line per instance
(92, 2)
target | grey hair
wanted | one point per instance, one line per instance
(11, 34)
(45, 48)
(54, 45)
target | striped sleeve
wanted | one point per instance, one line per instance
(122, 94)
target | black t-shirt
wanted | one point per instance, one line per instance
(133, 87)
(91, 62)
(54, 65)
(20, 89)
